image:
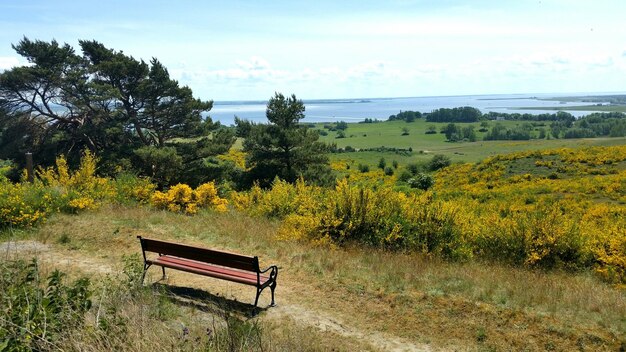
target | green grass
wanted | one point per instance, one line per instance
(424, 146)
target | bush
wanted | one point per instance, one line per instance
(404, 176)
(341, 125)
(388, 171)
(422, 181)
(474, 210)
(162, 164)
(132, 188)
(37, 313)
(363, 168)
(181, 198)
(413, 168)
(438, 161)
(431, 130)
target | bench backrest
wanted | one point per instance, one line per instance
(231, 260)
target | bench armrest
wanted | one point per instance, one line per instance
(273, 273)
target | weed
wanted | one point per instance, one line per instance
(481, 335)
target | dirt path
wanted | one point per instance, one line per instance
(50, 256)
(68, 260)
(325, 322)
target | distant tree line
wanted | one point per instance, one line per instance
(500, 132)
(471, 114)
(408, 116)
(612, 124)
(368, 120)
(607, 124)
(558, 116)
(462, 114)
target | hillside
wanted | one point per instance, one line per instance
(343, 299)
(519, 251)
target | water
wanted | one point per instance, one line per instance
(354, 110)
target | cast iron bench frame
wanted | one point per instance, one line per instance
(209, 262)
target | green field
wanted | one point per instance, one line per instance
(389, 134)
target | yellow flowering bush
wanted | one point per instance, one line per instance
(236, 156)
(354, 213)
(82, 203)
(182, 198)
(59, 189)
(281, 200)
(23, 205)
(129, 188)
(79, 189)
(563, 208)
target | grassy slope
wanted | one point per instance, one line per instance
(472, 306)
(389, 134)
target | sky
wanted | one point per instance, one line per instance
(247, 50)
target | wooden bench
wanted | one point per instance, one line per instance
(209, 262)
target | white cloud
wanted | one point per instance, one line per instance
(254, 64)
(245, 72)
(8, 62)
(256, 77)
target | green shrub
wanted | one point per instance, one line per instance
(422, 181)
(341, 125)
(382, 163)
(413, 168)
(404, 176)
(36, 313)
(438, 161)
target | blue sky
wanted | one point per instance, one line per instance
(243, 50)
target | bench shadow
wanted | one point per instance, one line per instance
(207, 302)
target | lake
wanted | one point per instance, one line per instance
(354, 110)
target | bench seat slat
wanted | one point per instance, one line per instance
(248, 278)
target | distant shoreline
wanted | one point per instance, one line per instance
(590, 108)
(513, 96)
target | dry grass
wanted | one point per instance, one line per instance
(156, 322)
(467, 306)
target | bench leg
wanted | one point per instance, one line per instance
(163, 269)
(145, 270)
(258, 293)
(272, 287)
